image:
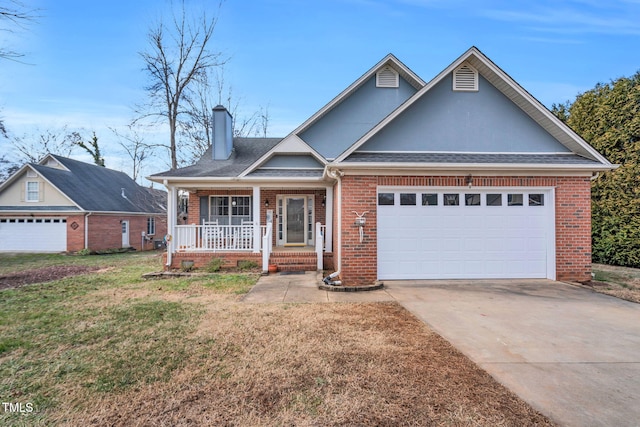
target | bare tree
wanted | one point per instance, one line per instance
(135, 147)
(7, 167)
(32, 148)
(14, 15)
(263, 122)
(178, 55)
(197, 127)
(205, 95)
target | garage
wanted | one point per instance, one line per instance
(33, 234)
(465, 233)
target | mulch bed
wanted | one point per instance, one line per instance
(41, 275)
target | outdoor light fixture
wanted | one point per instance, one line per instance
(324, 201)
(266, 203)
(468, 180)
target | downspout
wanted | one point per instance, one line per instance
(170, 226)
(86, 230)
(337, 175)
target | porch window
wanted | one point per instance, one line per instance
(230, 210)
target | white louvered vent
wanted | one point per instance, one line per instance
(387, 77)
(465, 78)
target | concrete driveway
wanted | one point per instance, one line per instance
(572, 354)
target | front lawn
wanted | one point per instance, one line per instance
(621, 282)
(108, 348)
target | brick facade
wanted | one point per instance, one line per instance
(359, 263)
(572, 210)
(105, 231)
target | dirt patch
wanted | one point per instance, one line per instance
(41, 275)
(615, 290)
(620, 282)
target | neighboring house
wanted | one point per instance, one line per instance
(464, 176)
(60, 204)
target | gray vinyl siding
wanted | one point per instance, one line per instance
(357, 114)
(449, 121)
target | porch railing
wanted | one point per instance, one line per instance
(193, 237)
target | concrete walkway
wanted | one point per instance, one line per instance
(571, 353)
(303, 288)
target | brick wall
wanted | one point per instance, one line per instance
(105, 231)
(201, 259)
(359, 260)
(573, 229)
(75, 233)
(572, 205)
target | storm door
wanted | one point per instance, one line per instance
(295, 220)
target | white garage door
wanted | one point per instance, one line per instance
(33, 234)
(472, 234)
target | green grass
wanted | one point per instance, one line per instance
(612, 277)
(96, 333)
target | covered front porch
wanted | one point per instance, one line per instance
(291, 227)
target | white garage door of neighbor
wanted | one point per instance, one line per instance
(33, 234)
(465, 234)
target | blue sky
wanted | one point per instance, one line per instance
(294, 56)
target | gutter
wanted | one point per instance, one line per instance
(86, 229)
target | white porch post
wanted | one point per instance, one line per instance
(328, 242)
(256, 220)
(172, 214)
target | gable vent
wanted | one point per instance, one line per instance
(465, 78)
(387, 77)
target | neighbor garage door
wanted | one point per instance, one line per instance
(454, 234)
(33, 234)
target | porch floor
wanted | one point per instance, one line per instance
(293, 249)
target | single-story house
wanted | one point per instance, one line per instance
(60, 204)
(464, 176)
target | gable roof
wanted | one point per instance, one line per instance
(96, 188)
(246, 151)
(389, 60)
(543, 141)
(512, 90)
(292, 144)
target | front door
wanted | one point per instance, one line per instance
(125, 234)
(295, 208)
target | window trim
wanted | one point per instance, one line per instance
(151, 226)
(230, 208)
(27, 192)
